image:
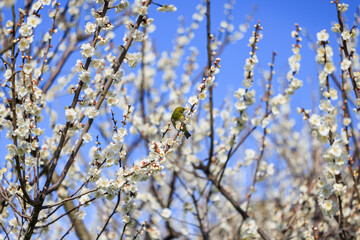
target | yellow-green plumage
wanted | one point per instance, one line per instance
(178, 115)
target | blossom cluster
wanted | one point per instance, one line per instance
(248, 171)
(244, 96)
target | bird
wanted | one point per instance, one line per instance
(178, 115)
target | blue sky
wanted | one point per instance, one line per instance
(277, 18)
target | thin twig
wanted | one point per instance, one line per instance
(112, 214)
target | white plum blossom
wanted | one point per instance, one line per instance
(119, 136)
(30, 161)
(80, 214)
(27, 68)
(91, 112)
(250, 229)
(71, 115)
(346, 35)
(103, 21)
(90, 93)
(90, 28)
(345, 64)
(166, 213)
(79, 66)
(250, 156)
(33, 21)
(138, 36)
(25, 30)
(96, 63)
(167, 8)
(45, 2)
(335, 150)
(8, 74)
(315, 120)
(339, 189)
(329, 68)
(154, 233)
(85, 76)
(202, 95)
(87, 50)
(328, 207)
(133, 59)
(333, 94)
(24, 43)
(126, 219)
(9, 24)
(325, 190)
(294, 63)
(87, 137)
(142, 10)
(193, 100)
(346, 121)
(336, 28)
(343, 7)
(124, 4)
(7, 3)
(322, 36)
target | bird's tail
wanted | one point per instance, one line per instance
(187, 134)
